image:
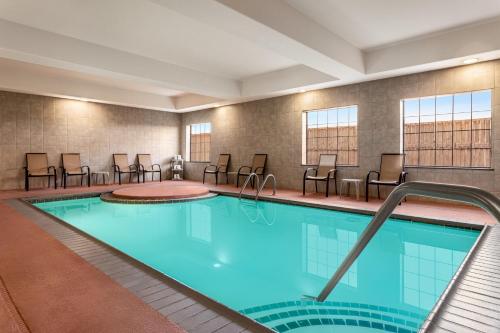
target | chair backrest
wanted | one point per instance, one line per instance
(223, 162)
(37, 162)
(326, 163)
(145, 160)
(121, 160)
(71, 162)
(391, 167)
(259, 162)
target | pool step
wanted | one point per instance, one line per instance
(287, 316)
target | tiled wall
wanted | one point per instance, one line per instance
(31, 123)
(273, 125)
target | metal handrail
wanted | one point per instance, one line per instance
(468, 194)
(249, 177)
(264, 184)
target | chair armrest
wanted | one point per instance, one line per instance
(369, 173)
(52, 167)
(85, 166)
(309, 169)
(256, 170)
(159, 167)
(249, 168)
(211, 165)
(116, 168)
(330, 172)
(133, 166)
(402, 177)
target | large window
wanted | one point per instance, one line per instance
(448, 130)
(331, 131)
(199, 142)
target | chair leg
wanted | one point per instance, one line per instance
(203, 182)
(378, 191)
(139, 178)
(88, 179)
(119, 178)
(55, 180)
(238, 180)
(304, 186)
(335, 184)
(366, 192)
(26, 182)
(316, 184)
(81, 181)
(216, 178)
(327, 186)
(64, 180)
(159, 175)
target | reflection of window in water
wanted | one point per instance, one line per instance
(199, 222)
(426, 272)
(325, 248)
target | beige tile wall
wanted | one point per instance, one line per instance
(273, 125)
(31, 123)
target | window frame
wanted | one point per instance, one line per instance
(305, 134)
(189, 150)
(457, 167)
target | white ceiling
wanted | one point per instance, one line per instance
(368, 23)
(182, 55)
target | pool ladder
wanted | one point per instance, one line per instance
(467, 194)
(261, 187)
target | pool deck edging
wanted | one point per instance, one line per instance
(236, 317)
(428, 323)
(411, 218)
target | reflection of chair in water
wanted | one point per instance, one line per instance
(251, 207)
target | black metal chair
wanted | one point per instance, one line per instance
(37, 165)
(146, 166)
(258, 167)
(324, 172)
(71, 166)
(391, 173)
(221, 167)
(121, 166)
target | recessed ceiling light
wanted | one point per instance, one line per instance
(471, 61)
(302, 90)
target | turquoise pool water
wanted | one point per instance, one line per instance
(260, 258)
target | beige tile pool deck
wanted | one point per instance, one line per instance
(190, 313)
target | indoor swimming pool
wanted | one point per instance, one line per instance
(261, 258)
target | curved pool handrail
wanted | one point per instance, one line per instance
(467, 194)
(249, 177)
(264, 184)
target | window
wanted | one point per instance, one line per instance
(198, 144)
(331, 131)
(448, 130)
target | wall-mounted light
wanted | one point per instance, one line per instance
(469, 61)
(302, 90)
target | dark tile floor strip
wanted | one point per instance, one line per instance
(189, 312)
(473, 305)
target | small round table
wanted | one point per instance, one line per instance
(104, 174)
(348, 181)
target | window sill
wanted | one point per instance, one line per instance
(449, 168)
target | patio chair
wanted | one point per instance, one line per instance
(391, 173)
(221, 167)
(258, 167)
(121, 166)
(324, 172)
(37, 165)
(144, 165)
(72, 166)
